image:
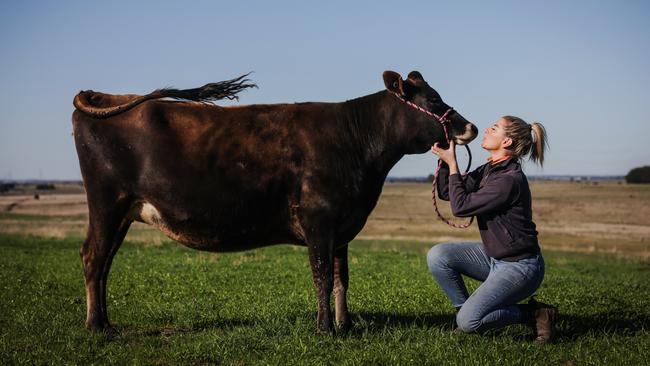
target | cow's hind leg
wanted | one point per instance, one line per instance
(117, 242)
(321, 260)
(108, 224)
(341, 280)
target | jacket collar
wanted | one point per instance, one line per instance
(493, 162)
(503, 164)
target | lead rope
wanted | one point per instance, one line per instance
(433, 194)
(442, 120)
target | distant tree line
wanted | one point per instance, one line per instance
(6, 187)
(45, 186)
(638, 175)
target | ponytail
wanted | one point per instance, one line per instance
(540, 144)
(527, 139)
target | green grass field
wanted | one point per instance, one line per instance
(173, 305)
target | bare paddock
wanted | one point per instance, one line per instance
(602, 217)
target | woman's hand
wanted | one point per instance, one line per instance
(448, 155)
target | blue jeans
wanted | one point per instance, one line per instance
(493, 304)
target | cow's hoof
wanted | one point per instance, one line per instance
(102, 328)
(344, 327)
(95, 326)
(325, 330)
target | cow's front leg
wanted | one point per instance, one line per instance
(341, 280)
(320, 258)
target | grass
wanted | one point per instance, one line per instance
(173, 305)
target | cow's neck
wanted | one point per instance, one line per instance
(366, 121)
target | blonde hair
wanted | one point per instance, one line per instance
(527, 139)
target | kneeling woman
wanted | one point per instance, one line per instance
(508, 260)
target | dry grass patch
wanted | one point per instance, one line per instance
(605, 217)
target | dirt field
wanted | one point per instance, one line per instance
(608, 217)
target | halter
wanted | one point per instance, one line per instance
(443, 120)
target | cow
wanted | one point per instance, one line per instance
(225, 179)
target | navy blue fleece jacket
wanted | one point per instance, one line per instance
(500, 199)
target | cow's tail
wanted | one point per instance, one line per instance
(227, 89)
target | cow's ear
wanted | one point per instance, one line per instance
(415, 75)
(394, 82)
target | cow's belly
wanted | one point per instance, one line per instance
(214, 237)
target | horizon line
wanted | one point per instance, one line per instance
(405, 177)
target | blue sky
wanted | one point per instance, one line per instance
(579, 67)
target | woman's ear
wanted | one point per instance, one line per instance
(507, 142)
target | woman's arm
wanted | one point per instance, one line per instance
(466, 202)
(492, 196)
(471, 180)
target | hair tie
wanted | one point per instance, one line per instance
(533, 135)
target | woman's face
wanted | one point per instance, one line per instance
(495, 137)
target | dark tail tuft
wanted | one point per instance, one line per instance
(211, 92)
(207, 93)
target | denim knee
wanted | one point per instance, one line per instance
(467, 321)
(438, 256)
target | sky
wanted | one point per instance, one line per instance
(581, 67)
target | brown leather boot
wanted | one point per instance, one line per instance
(543, 316)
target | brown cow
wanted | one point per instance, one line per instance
(235, 178)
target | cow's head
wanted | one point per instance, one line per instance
(421, 130)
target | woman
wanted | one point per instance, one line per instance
(508, 260)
